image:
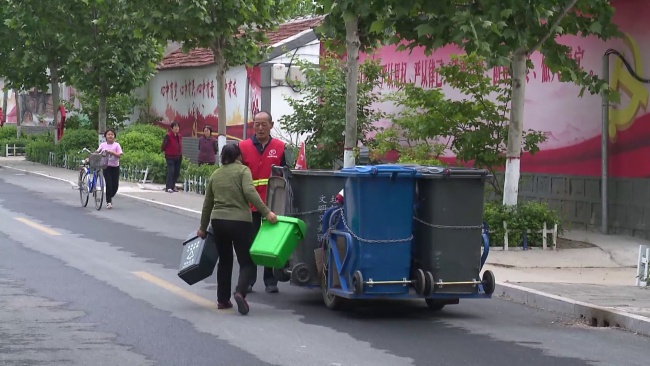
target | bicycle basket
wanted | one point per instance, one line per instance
(98, 161)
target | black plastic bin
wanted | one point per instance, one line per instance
(310, 193)
(448, 226)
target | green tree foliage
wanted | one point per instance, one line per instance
(349, 23)
(474, 128)
(321, 112)
(506, 33)
(112, 53)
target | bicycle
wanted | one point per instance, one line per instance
(91, 178)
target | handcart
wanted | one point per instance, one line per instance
(397, 236)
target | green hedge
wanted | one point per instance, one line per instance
(8, 132)
(155, 161)
(152, 130)
(194, 171)
(525, 216)
(39, 151)
(139, 141)
(74, 141)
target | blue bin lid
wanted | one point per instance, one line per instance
(383, 170)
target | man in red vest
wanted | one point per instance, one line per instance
(259, 153)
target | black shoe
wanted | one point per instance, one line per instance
(242, 305)
(249, 289)
(272, 289)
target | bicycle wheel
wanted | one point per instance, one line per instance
(98, 193)
(84, 189)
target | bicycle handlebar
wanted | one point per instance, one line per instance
(85, 150)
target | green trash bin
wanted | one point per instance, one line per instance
(274, 243)
(448, 226)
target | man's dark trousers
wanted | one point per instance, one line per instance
(269, 279)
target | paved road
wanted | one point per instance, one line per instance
(81, 287)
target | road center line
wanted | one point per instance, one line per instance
(201, 301)
(38, 227)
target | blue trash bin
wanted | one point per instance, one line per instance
(378, 213)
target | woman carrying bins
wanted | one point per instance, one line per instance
(228, 193)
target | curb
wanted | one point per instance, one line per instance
(159, 205)
(595, 315)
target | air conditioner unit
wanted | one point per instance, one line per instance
(279, 73)
(295, 74)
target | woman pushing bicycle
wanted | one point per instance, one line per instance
(112, 172)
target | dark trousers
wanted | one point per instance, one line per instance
(173, 172)
(269, 278)
(229, 234)
(112, 182)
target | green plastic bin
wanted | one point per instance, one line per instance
(274, 244)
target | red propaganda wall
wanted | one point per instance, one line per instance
(573, 124)
(189, 96)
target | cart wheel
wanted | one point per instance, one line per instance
(300, 274)
(429, 285)
(435, 305)
(488, 281)
(332, 302)
(420, 282)
(357, 283)
(281, 274)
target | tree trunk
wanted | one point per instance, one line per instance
(101, 114)
(5, 98)
(515, 130)
(221, 97)
(56, 97)
(19, 112)
(352, 81)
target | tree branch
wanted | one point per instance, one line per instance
(554, 25)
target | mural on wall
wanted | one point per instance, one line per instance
(37, 107)
(573, 124)
(189, 96)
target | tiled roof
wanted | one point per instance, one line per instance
(199, 57)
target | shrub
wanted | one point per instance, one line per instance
(154, 161)
(8, 132)
(147, 129)
(140, 141)
(194, 171)
(526, 216)
(39, 151)
(76, 140)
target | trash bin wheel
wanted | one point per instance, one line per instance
(281, 274)
(420, 282)
(300, 274)
(357, 283)
(488, 281)
(332, 302)
(429, 285)
(435, 305)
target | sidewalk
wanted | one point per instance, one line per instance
(594, 280)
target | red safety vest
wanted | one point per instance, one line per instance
(260, 165)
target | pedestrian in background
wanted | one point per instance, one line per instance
(112, 172)
(260, 153)
(229, 191)
(207, 147)
(172, 146)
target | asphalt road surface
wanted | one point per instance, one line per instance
(82, 287)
